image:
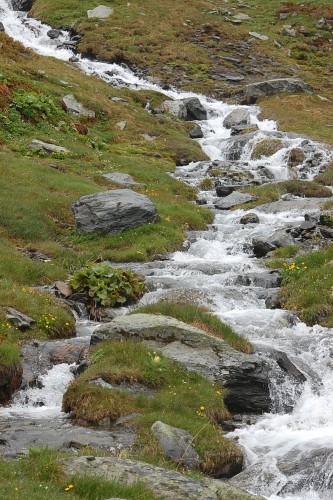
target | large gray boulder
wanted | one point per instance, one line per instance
(245, 375)
(113, 211)
(73, 107)
(163, 482)
(189, 108)
(239, 116)
(176, 444)
(270, 87)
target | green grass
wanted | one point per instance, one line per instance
(199, 317)
(40, 476)
(9, 354)
(273, 192)
(307, 283)
(177, 401)
(36, 209)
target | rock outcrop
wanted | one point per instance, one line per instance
(245, 375)
(164, 483)
(113, 211)
(73, 107)
(270, 87)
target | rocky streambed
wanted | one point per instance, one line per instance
(287, 451)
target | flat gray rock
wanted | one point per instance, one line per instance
(234, 199)
(101, 12)
(309, 204)
(47, 147)
(73, 107)
(122, 180)
(113, 211)
(163, 482)
(270, 87)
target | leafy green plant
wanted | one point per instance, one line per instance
(34, 106)
(108, 286)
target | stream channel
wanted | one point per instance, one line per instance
(288, 452)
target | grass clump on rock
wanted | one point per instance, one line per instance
(173, 395)
(273, 192)
(40, 475)
(266, 147)
(200, 317)
(307, 287)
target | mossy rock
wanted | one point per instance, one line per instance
(265, 148)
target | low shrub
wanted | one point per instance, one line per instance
(107, 286)
(34, 106)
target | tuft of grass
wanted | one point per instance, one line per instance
(273, 192)
(199, 317)
(285, 252)
(307, 287)
(181, 399)
(9, 354)
(326, 178)
(40, 476)
(266, 147)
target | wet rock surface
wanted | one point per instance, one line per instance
(39, 357)
(16, 436)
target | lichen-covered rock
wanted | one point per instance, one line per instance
(163, 482)
(113, 211)
(47, 147)
(122, 180)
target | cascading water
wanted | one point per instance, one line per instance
(289, 451)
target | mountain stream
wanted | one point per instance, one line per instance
(289, 452)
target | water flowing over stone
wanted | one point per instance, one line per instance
(288, 451)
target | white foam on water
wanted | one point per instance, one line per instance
(309, 426)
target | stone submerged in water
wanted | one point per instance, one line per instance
(245, 375)
(163, 482)
(113, 211)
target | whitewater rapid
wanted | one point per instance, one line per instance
(211, 264)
